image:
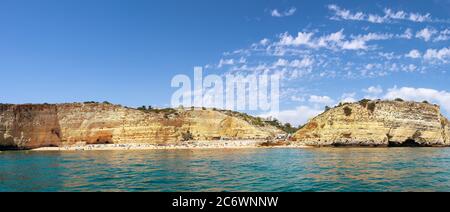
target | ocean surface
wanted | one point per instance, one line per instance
(286, 170)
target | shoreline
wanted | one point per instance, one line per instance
(192, 145)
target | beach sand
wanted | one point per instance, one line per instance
(234, 144)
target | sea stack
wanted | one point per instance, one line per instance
(377, 123)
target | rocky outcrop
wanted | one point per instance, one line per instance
(377, 123)
(29, 126)
(33, 126)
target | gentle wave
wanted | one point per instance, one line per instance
(325, 169)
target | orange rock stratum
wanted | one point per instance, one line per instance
(45, 125)
(377, 123)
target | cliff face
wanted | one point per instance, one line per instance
(29, 125)
(377, 123)
(33, 126)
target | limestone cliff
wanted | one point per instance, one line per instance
(33, 126)
(377, 123)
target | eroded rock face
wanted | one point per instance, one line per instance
(33, 126)
(377, 123)
(29, 126)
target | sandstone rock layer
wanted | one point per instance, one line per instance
(377, 123)
(33, 126)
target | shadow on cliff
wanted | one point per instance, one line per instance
(407, 143)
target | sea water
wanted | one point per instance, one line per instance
(284, 170)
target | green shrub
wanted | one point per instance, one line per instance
(347, 111)
(143, 108)
(187, 136)
(364, 102)
(289, 129)
(257, 121)
(91, 102)
(444, 122)
(399, 100)
(371, 107)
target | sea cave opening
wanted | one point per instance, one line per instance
(406, 143)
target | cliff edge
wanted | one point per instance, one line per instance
(377, 123)
(52, 125)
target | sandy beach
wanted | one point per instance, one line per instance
(235, 144)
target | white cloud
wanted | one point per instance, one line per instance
(296, 68)
(242, 60)
(298, 98)
(389, 56)
(275, 13)
(373, 70)
(264, 42)
(442, 55)
(297, 116)
(373, 90)
(388, 16)
(224, 62)
(443, 36)
(416, 17)
(337, 54)
(304, 63)
(323, 100)
(395, 15)
(331, 41)
(393, 67)
(303, 38)
(335, 37)
(426, 34)
(431, 55)
(375, 36)
(345, 14)
(407, 34)
(348, 98)
(360, 42)
(370, 66)
(420, 94)
(354, 45)
(411, 68)
(376, 19)
(289, 12)
(281, 62)
(414, 54)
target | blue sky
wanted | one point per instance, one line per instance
(127, 52)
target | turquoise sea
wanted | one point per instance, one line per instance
(325, 169)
